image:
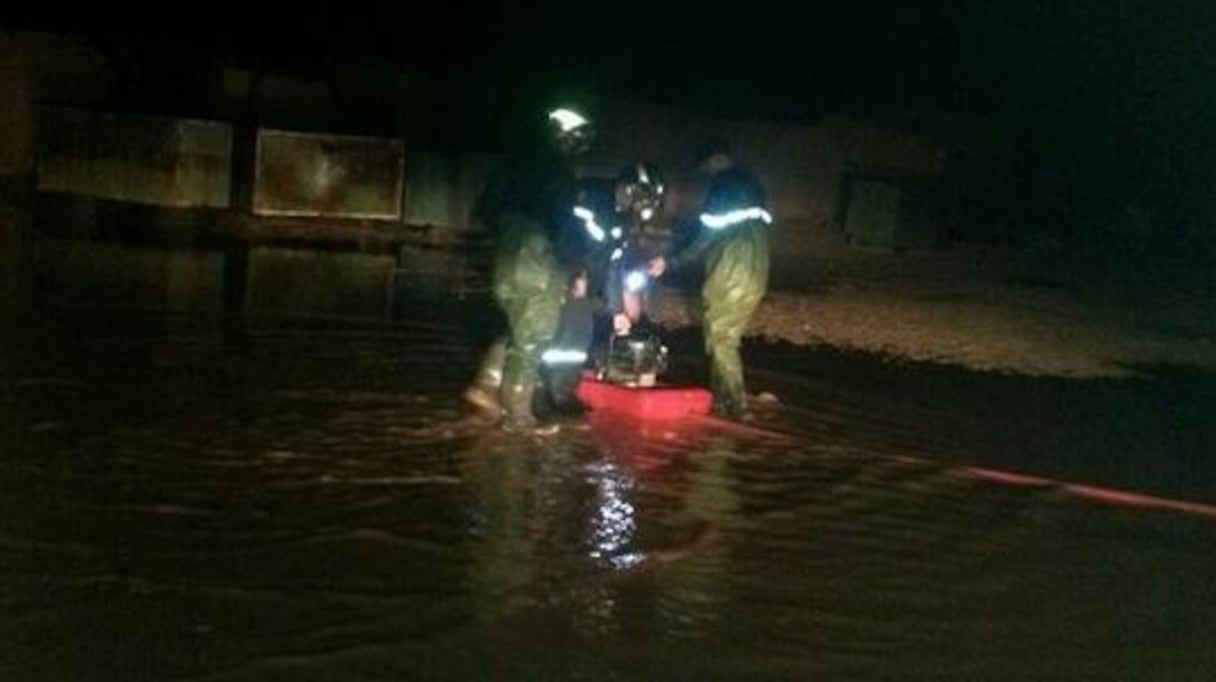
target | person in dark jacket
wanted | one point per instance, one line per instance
(523, 206)
(732, 241)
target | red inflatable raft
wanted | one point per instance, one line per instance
(650, 403)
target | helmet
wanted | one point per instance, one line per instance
(570, 130)
(640, 190)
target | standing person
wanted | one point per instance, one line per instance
(732, 241)
(524, 206)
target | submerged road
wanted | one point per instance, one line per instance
(180, 502)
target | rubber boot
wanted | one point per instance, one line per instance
(518, 390)
(483, 395)
(561, 385)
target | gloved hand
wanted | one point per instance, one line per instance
(656, 267)
(578, 287)
(621, 324)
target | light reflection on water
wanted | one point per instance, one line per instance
(293, 507)
(613, 527)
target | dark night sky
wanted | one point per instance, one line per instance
(947, 53)
(1121, 84)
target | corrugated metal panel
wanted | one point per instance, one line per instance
(144, 159)
(306, 174)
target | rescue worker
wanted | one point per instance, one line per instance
(732, 239)
(592, 246)
(640, 190)
(596, 234)
(639, 193)
(588, 235)
(524, 206)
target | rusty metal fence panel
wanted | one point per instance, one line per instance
(335, 176)
(145, 159)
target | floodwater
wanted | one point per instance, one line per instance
(283, 503)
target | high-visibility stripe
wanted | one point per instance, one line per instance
(588, 217)
(563, 356)
(718, 221)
